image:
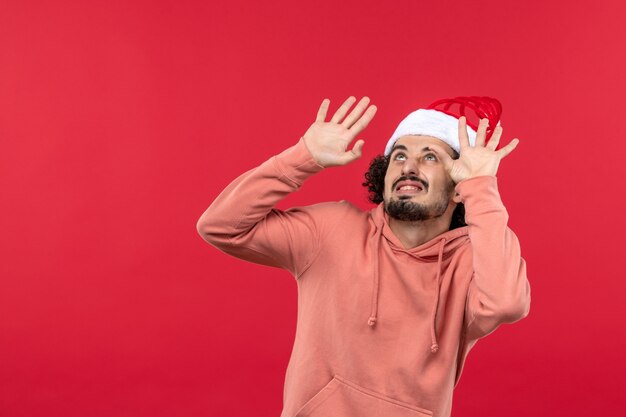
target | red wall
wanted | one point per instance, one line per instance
(120, 121)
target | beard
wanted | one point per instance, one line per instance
(408, 211)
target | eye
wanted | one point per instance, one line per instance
(429, 155)
(398, 156)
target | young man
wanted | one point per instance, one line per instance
(391, 300)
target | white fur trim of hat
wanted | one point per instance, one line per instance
(430, 122)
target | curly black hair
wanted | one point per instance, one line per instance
(375, 183)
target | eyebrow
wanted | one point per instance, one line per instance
(404, 148)
(396, 147)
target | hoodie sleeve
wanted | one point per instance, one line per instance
(499, 291)
(243, 222)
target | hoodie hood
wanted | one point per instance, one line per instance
(435, 250)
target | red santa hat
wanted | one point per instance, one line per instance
(441, 120)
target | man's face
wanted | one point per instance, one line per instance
(417, 186)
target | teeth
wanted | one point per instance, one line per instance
(408, 187)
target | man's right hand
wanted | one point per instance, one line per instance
(328, 141)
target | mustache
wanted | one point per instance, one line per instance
(410, 178)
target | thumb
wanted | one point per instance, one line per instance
(357, 149)
(355, 153)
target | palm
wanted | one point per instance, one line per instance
(333, 139)
(480, 159)
(328, 141)
(473, 159)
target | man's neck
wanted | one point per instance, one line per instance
(413, 234)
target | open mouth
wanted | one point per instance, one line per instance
(409, 187)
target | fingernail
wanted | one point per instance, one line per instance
(498, 123)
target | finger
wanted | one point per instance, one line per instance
(495, 138)
(321, 113)
(355, 153)
(363, 121)
(463, 138)
(508, 148)
(356, 113)
(481, 133)
(357, 149)
(341, 111)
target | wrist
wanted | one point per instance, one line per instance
(311, 153)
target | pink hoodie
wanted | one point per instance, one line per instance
(381, 330)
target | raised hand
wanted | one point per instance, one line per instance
(328, 141)
(476, 160)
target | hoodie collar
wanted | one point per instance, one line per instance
(435, 250)
(427, 251)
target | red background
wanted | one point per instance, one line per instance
(120, 121)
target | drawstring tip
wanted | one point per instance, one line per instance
(434, 348)
(371, 321)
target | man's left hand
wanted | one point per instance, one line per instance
(476, 160)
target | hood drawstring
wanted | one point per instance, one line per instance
(376, 283)
(373, 315)
(433, 335)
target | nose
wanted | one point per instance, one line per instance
(410, 167)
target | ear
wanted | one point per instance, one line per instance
(456, 198)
